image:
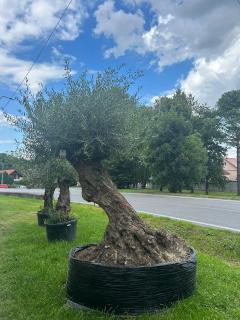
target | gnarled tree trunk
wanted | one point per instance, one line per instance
(48, 198)
(127, 239)
(63, 202)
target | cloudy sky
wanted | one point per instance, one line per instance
(188, 44)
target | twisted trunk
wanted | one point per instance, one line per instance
(63, 202)
(48, 199)
(127, 239)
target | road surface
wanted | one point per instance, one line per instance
(224, 214)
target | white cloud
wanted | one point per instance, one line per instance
(13, 70)
(232, 153)
(7, 141)
(125, 29)
(150, 100)
(27, 20)
(206, 32)
(210, 78)
(196, 29)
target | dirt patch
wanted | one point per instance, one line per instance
(166, 248)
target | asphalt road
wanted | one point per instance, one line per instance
(224, 214)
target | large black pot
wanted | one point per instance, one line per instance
(130, 290)
(42, 216)
(62, 231)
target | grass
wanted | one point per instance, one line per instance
(33, 272)
(187, 193)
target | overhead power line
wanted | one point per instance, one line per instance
(5, 97)
(44, 45)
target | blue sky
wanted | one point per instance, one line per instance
(193, 45)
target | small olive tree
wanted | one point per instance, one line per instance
(66, 177)
(92, 119)
(44, 175)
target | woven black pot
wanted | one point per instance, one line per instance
(41, 217)
(62, 231)
(131, 290)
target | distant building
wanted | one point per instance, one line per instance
(230, 169)
(13, 173)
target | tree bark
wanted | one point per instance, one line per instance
(207, 185)
(63, 202)
(48, 199)
(127, 239)
(238, 168)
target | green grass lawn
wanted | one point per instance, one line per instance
(33, 272)
(187, 193)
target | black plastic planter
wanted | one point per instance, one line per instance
(62, 231)
(42, 216)
(131, 290)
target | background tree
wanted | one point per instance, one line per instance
(130, 167)
(6, 179)
(208, 124)
(12, 161)
(9, 161)
(127, 172)
(229, 110)
(171, 142)
(92, 120)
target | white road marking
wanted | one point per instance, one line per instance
(192, 221)
(175, 196)
(179, 219)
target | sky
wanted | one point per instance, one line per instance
(189, 44)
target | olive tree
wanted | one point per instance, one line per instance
(92, 119)
(66, 176)
(44, 175)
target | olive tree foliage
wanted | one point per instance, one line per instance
(130, 169)
(93, 119)
(90, 119)
(43, 174)
(45, 167)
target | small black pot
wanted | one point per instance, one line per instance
(42, 216)
(131, 290)
(62, 231)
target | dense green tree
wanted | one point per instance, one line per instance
(11, 161)
(93, 121)
(229, 110)
(6, 179)
(171, 142)
(128, 172)
(207, 123)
